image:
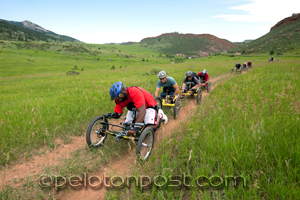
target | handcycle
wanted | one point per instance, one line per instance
(170, 101)
(192, 92)
(240, 69)
(99, 128)
(206, 86)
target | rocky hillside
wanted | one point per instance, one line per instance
(286, 21)
(187, 44)
(26, 30)
(283, 37)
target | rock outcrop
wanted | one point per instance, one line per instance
(286, 21)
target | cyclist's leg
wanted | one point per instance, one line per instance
(151, 118)
(130, 116)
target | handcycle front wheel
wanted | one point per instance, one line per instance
(95, 134)
(176, 108)
(158, 102)
(145, 144)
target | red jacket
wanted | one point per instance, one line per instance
(138, 96)
(203, 78)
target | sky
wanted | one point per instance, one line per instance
(117, 21)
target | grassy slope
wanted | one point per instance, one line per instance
(282, 39)
(248, 126)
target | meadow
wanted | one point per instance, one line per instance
(248, 126)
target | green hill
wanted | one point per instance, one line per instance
(283, 37)
(24, 31)
(188, 44)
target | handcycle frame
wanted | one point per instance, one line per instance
(207, 86)
(143, 133)
(167, 101)
(191, 92)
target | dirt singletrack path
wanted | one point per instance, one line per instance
(15, 175)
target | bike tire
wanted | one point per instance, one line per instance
(199, 96)
(159, 102)
(176, 108)
(208, 87)
(94, 138)
(145, 144)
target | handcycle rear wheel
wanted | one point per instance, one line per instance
(145, 144)
(95, 135)
(176, 108)
(159, 102)
(199, 96)
(208, 87)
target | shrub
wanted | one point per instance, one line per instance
(72, 73)
(154, 71)
(272, 52)
(113, 67)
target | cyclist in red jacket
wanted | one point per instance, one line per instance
(139, 98)
(203, 77)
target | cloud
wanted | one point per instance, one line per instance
(263, 11)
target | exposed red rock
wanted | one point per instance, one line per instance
(286, 21)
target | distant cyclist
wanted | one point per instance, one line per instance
(244, 65)
(139, 98)
(169, 85)
(190, 80)
(237, 66)
(203, 77)
(249, 64)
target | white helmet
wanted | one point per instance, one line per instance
(162, 74)
(244, 62)
(204, 72)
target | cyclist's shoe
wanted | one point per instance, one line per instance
(162, 116)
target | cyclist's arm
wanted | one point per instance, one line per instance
(176, 89)
(156, 92)
(141, 114)
(197, 83)
(183, 86)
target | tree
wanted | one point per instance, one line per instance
(272, 52)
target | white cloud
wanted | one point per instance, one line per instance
(263, 11)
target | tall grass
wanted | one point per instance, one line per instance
(247, 127)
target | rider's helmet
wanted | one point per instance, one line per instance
(204, 72)
(244, 62)
(189, 73)
(249, 60)
(115, 89)
(162, 74)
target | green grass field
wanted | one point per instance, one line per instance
(248, 126)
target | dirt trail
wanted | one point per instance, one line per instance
(16, 174)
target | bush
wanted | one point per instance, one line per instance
(154, 71)
(272, 52)
(72, 73)
(113, 67)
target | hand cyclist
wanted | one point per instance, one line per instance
(169, 85)
(237, 66)
(190, 78)
(139, 98)
(244, 66)
(249, 64)
(203, 77)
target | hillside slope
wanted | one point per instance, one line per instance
(26, 30)
(283, 36)
(188, 44)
